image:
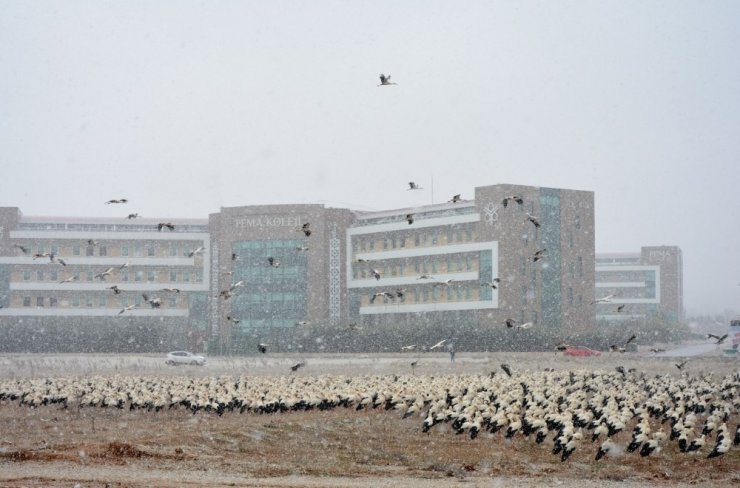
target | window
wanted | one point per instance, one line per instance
(151, 276)
(76, 301)
(199, 276)
(578, 221)
(172, 302)
(138, 250)
(150, 250)
(39, 276)
(124, 250)
(90, 251)
(524, 295)
(75, 250)
(26, 301)
(173, 276)
(53, 275)
(27, 277)
(42, 249)
(52, 302)
(76, 275)
(579, 267)
(124, 301)
(570, 296)
(173, 249)
(138, 276)
(124, 275)
(185, 249)
(186, 276)
(89, 276)
(102, 301)
(55, 249)
(102, 251)
(88, 301)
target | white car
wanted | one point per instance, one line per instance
(184, 357)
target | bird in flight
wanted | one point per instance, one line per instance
(386, 80)
(24, 250)
(438, 345)
(306, 229)
(632, 338)
(383, 294)
(656, 350)
(681, 364)
(171, 290)
(163, 225)
(105, 273)
(620, 308)
(262, 348)
(120, 200)
(70, 279)
(232, 319)
(301, 248)
(61, 261)
(413, 186)
(720, 339)
(234, 256)
(539, 255)
(302, 322)
(408, 348)
(296, 366)
(376, 274)
(506, 369)
(492, 284)
(425, 277)
(200, 250)
(605, 299)
(410, 218)
(154, 302)
(533, 219)
(273, 262)
(126, 309)
(91, 242)
(225, 294)
(509, 323)
(124, 265)
(455, 199)
(133, 216)
(236, 285)
(513, 198)
(525, 325)
(115, 289)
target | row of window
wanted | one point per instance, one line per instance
(427, 237)
(99, 301)
(134, 249)
(124, 276)
(419, 266)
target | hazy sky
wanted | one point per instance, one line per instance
(186, 106)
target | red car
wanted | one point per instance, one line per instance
(574, 351)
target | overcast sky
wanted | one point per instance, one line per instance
(186, 106)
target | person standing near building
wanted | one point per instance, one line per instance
(451, 349)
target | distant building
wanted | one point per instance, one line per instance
(303, 285)
(648, 284)
(251, 274)
(49, 305)
(438, 269)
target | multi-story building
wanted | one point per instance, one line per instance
(262, 273)
(640, 286)
(438, 265)
(273, 275)
(57, 277)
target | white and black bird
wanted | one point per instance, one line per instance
(533, 219)
(438, 345)
(91, 242)
(410, 348)
(455, 199)
(306, 229)
(385, 80)
(301, 248)
(115, 289)
(200, 250)
(510, 323)
(425, 277)
(413, 186)
(153, 302)
(238, 284)
(681, 364)
(302, 322)
(124, 265)
(171, 290)
(126, 309)
(225, 294)
(165, 225)
(720, 339)
(232, 319)
(275, 263)
(446, 282)
(526, 325)
(539, 255)
(102, 275)
(506, 369)
(70, 279)
(262, 348)
(23, 249)
(296, 366)
(120, 200)
(234, 256)
(620, 308)
(605, 299)
(375, 273)
(410, 218)
(512, 198)
(61, 261)
(656, 350)
(133, 216)
(492, 284)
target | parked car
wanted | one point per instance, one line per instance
(184, 357)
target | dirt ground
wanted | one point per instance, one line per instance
(54, 447)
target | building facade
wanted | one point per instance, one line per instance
(254, 274)
(640, 286)
(440, 267)
(56, 279)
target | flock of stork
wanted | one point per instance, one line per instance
(599, 414)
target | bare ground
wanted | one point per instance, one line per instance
(50, 446)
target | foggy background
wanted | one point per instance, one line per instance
(183, 107)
